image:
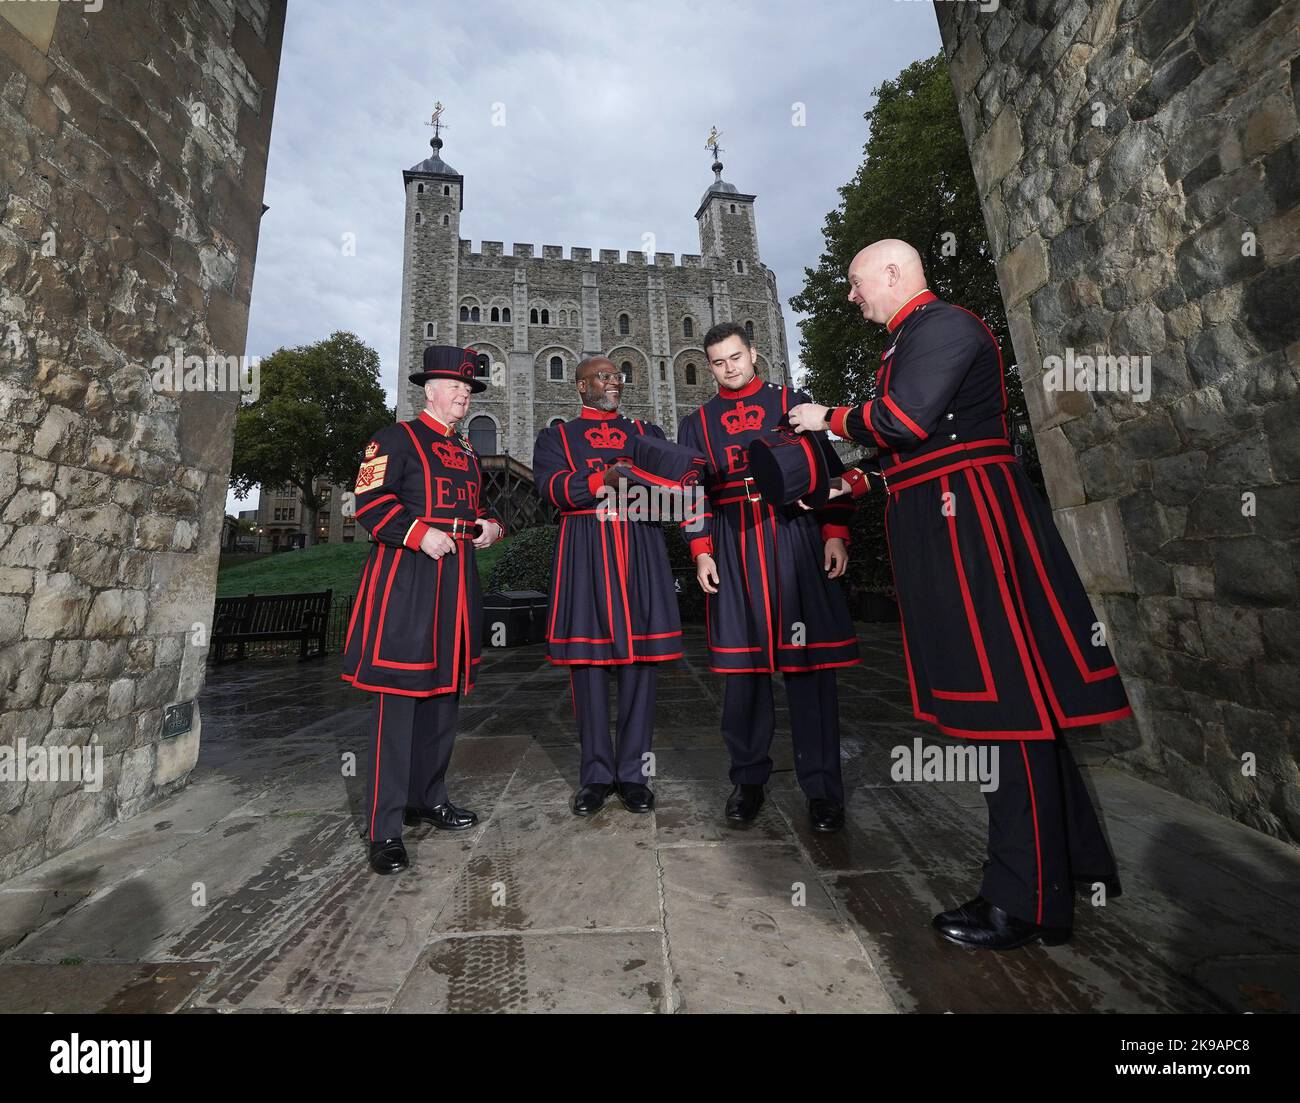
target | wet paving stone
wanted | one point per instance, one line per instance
(248, 891)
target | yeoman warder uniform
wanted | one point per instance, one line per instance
(613, 604)
(775, 609)
(414, 634)
(1000, 639)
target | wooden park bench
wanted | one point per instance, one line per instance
(239, 621)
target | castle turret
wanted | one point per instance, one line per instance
(435, 196)
(727, 227)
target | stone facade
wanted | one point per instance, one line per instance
(1139, 167)
(537, 316)
(133, 144)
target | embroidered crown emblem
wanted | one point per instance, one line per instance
(450, 455)
(742, 419)
(605, 436)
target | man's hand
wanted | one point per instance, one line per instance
(838, 489)
(836, 559)
(489, 533)
(808, 417)
(706, 573)
(437, 543)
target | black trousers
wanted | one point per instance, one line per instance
(410, 745)
(749, 722)
(602, 763)
(1043, 833)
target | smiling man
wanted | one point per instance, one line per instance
(1000, 639)
(612, 599)
(773, 602)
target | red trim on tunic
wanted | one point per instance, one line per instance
(434, 424)
(925, 295)
(591, 413)
(1038, 845)
(428, 482)
(743, 392)
(989, 692)
(375, 502)
(911, 425)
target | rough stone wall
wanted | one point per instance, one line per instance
(1139, 166)
(133, 144)
(585, 298)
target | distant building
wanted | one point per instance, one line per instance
(281, 519)
(536, 317)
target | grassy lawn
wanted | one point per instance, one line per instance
(334, 567)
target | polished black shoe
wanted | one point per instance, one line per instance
(744, 803)
(590, 799)
(635, 796)
(445, 817)
(982, 925)
(825, 815)
(388, 856)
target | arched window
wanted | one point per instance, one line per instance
(733, 208)
(483, 435)
(464, 314)
(624, 325)
(663, 376)
(473, 314)
(419, 189)
(740, 267)
(430, 330)
(690, 374)
(496, 314)
(626, 369)
(481, 369)
(505, 314)
(688, 327)
(446, 189)
(418, 218)
(749, 328)
(446, 220)
(532, 316)
(557, 367)
(546, 317)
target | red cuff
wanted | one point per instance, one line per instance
(857, 482)
(415, 534)
(701, 545)
(837, 419)
(594, 482)
(830, 532)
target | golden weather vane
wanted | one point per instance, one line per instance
(712, 142)
(436, 121)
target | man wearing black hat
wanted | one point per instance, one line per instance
(413, 638)
(1000, 639)
(612, 599)
(773, 603)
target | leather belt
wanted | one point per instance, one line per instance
(458, 528)
(747, 484)
(944, 461)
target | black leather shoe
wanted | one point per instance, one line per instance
(826, 815)
(983, 925)
(590, 799)
(635, 796)
(445, 817)
(744, 803)
(388, 856)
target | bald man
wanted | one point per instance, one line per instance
(1000, 639)
(613, 603)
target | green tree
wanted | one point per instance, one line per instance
(915, 183)
(317, 406)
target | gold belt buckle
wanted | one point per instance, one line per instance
(748, 490)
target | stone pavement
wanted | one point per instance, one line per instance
(248, 890)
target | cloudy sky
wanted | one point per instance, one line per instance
(606, 105)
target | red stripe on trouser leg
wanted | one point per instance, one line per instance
(379, 734)
(1038, 844)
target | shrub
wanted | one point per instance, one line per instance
(525, 562)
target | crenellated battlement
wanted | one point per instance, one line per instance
(578, 255)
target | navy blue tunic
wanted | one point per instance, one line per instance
(612, 595)
(416, 621)
(1000, 638)
(775, 609)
